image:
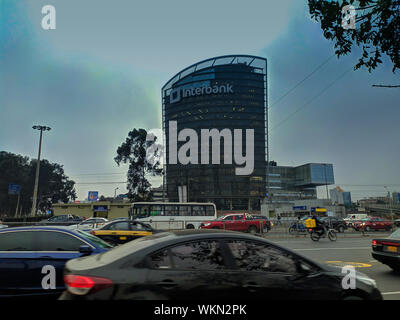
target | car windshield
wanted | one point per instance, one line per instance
(91, 238)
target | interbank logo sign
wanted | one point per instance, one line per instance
(178, 93)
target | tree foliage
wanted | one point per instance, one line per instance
(134, 152)
(377, 29)
(54, 185)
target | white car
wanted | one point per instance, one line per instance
(2, 226)
(90, 224)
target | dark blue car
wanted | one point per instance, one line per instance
(32, 259)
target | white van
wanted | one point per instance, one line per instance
(354, 217)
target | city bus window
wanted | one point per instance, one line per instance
(156, 210)
(198, 211)
(184, 210)
(171, 210)
(210, 211)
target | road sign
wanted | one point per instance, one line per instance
(14, 188)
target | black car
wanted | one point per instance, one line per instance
(32, 259)
(335, 223)
(387, 251)
(61, 220)
(207, 264)
(267, 224)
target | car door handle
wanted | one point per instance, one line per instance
(167, 284)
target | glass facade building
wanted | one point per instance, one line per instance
(220, 93)
(298, 183)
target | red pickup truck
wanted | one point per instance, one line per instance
(373, 223)
(236, 222)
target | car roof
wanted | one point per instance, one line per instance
(162, 240)
(27, 228)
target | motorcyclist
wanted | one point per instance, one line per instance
(320, 227)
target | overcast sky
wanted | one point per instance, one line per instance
(99, 75)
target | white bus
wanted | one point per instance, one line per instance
(173, 215)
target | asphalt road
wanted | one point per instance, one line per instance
(349, 251)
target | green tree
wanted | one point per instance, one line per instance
(134, 152)
(377, 29)
(53, 185)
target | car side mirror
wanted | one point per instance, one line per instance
(85, 250)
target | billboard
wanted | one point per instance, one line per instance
(93, 195)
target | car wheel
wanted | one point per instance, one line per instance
(252, 229)
(341, 229)
(190, 226)
(291, 230)
(388, 228)
(367, 228)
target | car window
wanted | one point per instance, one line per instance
(122, 225)
(201, 255)
(256, 256)
(58, 241)
(238, 217)
(17, 241)
(139, 226)
(161, 260)
(228, 218)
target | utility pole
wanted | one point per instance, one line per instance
(35, 190)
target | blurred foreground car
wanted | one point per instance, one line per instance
(121, 231)
(29, 254)
(207, 264)
(387, 250)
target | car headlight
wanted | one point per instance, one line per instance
(207, 224)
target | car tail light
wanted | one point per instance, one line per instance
(82, 285)
(92, 232)
(374, 242)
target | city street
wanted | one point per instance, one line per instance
(348, 251)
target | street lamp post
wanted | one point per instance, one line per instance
(115, 192)
(326, 182)
(390, 202)
(34, 200)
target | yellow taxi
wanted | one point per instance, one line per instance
(121, 231)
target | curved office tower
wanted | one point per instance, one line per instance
(223, 93)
